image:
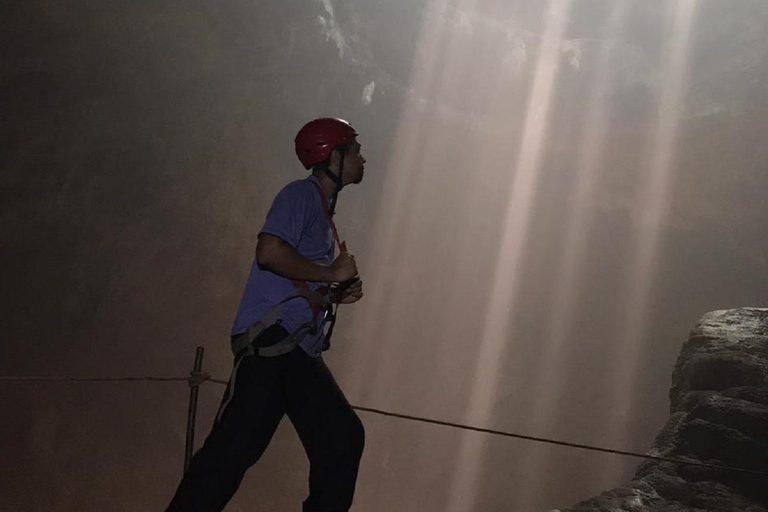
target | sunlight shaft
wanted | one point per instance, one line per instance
(575, 243)
(654, 205)
(514, 231)
(549, 385)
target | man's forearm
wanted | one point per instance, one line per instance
(283, 260)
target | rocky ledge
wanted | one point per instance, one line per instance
(718, 415)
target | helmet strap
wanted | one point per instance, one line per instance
(337, 179)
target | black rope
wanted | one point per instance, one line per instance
(97, 379)
(195, 379)
(556, 442)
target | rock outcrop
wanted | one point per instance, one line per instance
(719, 415)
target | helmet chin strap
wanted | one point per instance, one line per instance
(336, 180)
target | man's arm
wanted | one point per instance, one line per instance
(278, 256)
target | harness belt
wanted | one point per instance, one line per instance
(243, 345)
(245, 341)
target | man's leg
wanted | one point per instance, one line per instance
(237, 440)
(330, 431)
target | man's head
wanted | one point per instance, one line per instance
(354, 163)
(329, 145)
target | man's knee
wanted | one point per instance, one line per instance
(347, 447)
(356, 437)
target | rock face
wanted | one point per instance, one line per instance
(719, 415)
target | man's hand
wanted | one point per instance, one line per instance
(344, 268)
(351, 291)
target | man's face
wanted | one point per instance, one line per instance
(354, 164)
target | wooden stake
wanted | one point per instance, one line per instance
(192, 411)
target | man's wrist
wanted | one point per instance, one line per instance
(329, 275)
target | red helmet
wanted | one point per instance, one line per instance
(317, 138)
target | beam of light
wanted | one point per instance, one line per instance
(515, 223)
(374, 321)
(388, 340)
(556, 346)
(418, 162)
(654, 202)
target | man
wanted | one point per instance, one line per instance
(278, 338)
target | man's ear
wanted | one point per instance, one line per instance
(335, 157)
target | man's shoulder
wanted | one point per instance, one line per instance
(301, 193)
(303, 187)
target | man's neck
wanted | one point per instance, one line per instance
(327, 184)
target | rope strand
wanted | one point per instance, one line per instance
(95, 379)
(195, 379)
(556, 442)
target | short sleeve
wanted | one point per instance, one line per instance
(290, 213)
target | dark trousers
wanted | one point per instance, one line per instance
(265, 389)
